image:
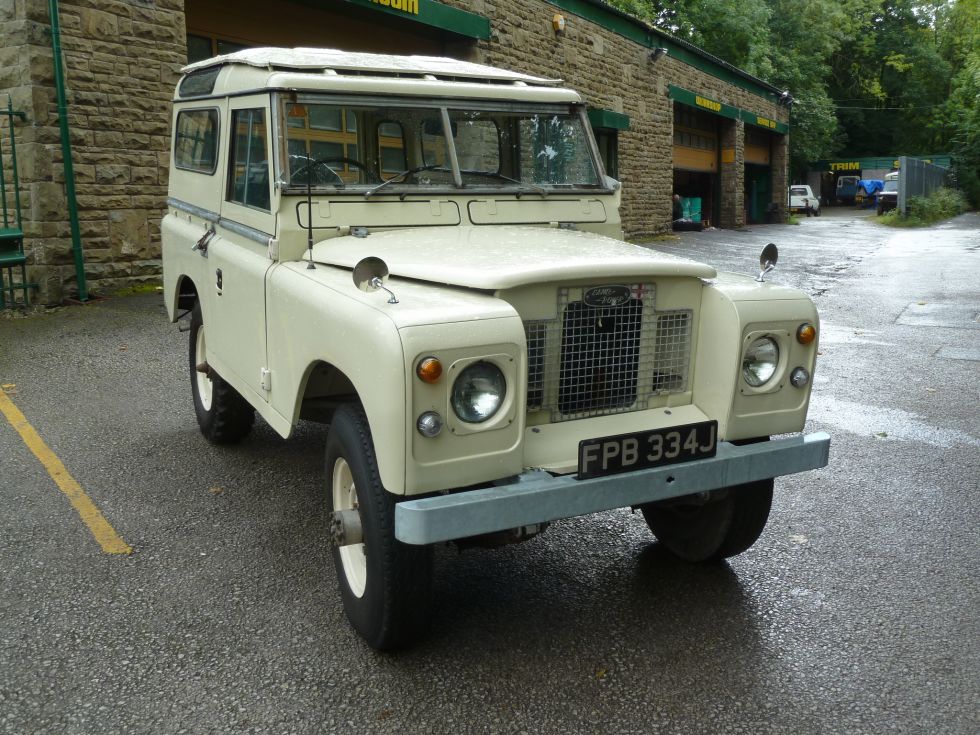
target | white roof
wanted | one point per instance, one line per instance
(321, 60)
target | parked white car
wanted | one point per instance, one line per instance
(802, 199)
(427, 255)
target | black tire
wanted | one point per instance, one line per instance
(727, 523)
(227, 418)
(389, 605)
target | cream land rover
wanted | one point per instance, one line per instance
(427, 255)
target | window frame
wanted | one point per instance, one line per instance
(232, 163)
(437, 105)
(217, 139)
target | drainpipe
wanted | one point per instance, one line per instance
(59, 85)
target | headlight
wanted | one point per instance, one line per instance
(478, 392)
(760, 361)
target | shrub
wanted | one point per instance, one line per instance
(941, 204)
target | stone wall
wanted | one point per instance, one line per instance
(121, 61)
(731, 140)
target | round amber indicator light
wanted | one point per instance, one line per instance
(429, 369)
(806, 334)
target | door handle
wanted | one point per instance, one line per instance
(201, 246)
(218, 278)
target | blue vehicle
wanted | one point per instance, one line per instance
(847, 189)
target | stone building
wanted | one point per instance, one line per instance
(668, 116)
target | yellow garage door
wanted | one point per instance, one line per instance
(757, 146)
(695, 140)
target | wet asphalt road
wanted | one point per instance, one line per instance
(856, 612)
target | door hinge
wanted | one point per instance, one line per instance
(265, 378)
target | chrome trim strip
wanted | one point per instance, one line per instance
(193, 209)
(250, 233)
(245, 231)
(536, 496)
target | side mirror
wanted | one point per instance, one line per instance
(767, 261)
(371, 274)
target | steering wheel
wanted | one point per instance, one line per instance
(325, 163)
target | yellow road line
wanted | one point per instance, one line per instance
(105, 534)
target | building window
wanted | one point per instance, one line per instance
(200, 48)
(248, 181)
(608, 141)
(323, 133)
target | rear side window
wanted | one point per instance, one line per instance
(196, 141)
(199, 83)
(249, 176)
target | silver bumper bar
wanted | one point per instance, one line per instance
(536, 496)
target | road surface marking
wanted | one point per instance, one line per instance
(105, 534)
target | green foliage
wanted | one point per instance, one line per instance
(875, 78)
(941, 204)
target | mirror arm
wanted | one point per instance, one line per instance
(377, 283)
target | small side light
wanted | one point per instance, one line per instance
(429, 424)
(429, 369)
(799, 377)
(806, 334)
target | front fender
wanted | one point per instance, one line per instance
(318, 316)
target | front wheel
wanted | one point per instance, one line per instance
(223, 415)
(384, 584)
(724, 524)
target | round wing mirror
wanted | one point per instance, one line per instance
(770, 254)
(767, 261)
(370, 274)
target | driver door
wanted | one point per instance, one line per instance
(239, 253)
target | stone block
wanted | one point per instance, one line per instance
(104, 202)
(129, 233)
(109, 139)
(97, 24)
(154, 202)
(145, 175)
(47, 201)
(113, 174)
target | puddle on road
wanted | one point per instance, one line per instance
(884, 423)
(831, 334)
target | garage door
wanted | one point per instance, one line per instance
(695, 140)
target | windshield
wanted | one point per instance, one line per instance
(891, 185)
(798, 191)
(362, 148)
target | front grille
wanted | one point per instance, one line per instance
(592, 361)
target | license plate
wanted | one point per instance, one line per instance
(610, 455)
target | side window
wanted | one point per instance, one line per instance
(248, 180)
(196, 141)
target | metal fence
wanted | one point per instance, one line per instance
(917, 179)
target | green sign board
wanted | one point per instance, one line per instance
(687, 97)
(434, 14)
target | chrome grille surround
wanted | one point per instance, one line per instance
(594, 361)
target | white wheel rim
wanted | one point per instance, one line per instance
(352, 557)
(204, 384)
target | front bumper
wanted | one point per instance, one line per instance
(536, 496)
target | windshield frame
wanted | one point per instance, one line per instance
(442, 107)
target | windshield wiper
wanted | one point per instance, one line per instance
(497, 175)
(402, 176)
